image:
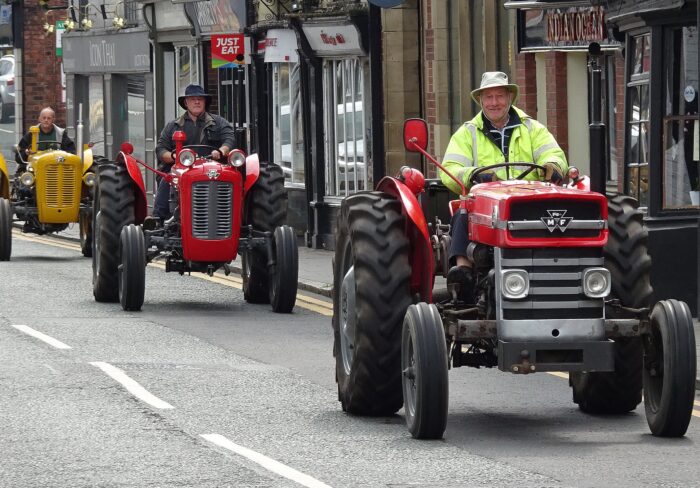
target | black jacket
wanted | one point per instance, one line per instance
(215, 132)
(66, 143)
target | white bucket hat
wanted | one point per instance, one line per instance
(494, 79)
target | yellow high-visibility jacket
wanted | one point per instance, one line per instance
(470, 148)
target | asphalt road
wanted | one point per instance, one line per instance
(235, 395)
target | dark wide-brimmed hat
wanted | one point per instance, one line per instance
(194, 91)
(495, 79)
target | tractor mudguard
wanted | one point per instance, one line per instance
(422, 261)
(252, 171)
(88, 159)
(4, 179)
(141, 203)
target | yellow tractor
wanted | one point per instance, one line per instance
(54, 191)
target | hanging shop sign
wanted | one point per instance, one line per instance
(280, 46)
(227, 50)
(217, 16)
(333, 40)
(572, 28)
(123, 52)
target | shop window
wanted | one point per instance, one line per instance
(287, 132)
(347, 127)
(96, 116)
(187, 67)
(637, 126)
(681, 185)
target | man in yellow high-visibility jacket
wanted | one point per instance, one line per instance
(499, 133)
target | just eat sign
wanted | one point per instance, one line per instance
(227, 50)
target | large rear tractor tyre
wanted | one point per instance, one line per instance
(627, 258)
(669, 369)
(113, 209)
(85, 224)
(5, 229)
(371, 292)
(283, 279)
(266, 209)
(424, 369)
(132, 269)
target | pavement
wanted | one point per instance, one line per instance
(316, 276)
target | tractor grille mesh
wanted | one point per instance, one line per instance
(534, 211)
(212, 210)
(556, 289)
(60, 186)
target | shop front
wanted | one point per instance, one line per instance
(109, 76)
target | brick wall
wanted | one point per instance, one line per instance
(557, 105)
(526, 79)
(41, 75)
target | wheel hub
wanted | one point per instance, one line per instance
(348, 318)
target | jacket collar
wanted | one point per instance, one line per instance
(206, 116)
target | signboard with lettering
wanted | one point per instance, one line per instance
(59, 30)
(280, 46)
(227, 50)
(125, 52)
(217, 16)
(572, 28)
(333, 40)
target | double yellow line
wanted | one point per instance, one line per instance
(320, 306)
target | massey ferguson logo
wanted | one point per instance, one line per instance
(557, 220)
(212, 174)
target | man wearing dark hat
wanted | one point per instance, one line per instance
(201, 129)
(499, 133)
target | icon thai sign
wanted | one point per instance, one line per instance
(227, 51)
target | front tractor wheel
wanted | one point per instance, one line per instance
(424, 369)
(5, 229)
(113, 209)
(132, 268)
(266, 209)
(669, 369)
(371, 292)
(627, 258)
(283, 277)
(85, 224)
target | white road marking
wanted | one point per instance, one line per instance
(132, 386)
(266, 462)
(8, 131)
(42, 337)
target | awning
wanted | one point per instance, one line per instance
(333, 39)
(280, 46)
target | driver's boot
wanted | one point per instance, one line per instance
(460, 281)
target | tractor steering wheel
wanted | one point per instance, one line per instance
(195, 146)
(483, 169)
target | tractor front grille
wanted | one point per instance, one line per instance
(556, 289)
(212, 210)
(584, 218)
(60, 186)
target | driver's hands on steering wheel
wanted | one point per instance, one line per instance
(486, 176)
(216, 154)
(552, 173)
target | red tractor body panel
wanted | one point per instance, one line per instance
(422, 260)
(141, 204)
(491, 218)
(252, 171)
(216, 189)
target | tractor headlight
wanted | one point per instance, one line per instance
(89, 178)
(236, 158)
(515, 283)
(27, 179)
(596, 282)
(186, 157)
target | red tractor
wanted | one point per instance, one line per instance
(562, 284)
(220, 210)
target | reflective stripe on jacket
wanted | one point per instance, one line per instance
(530, 142)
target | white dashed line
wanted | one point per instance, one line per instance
(132, 386)
(266, 462)
(42, 337)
